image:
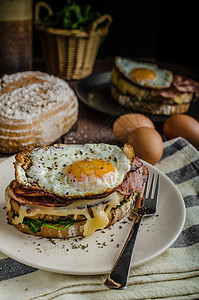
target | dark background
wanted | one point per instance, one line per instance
(163, 31)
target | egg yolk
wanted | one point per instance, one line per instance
(94, 170)
(142, 74)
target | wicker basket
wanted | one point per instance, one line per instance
(70, 54)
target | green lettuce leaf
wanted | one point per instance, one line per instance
(35, 225)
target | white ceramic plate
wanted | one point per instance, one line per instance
(95, 254)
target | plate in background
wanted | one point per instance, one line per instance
(94, 91)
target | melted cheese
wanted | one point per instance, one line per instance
(100, 210)
(100, 216)
(99, 221)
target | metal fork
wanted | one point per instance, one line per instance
(119, 275)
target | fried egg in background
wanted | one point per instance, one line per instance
(74, 170)
(144, 74)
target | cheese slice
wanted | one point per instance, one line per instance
(100, 209)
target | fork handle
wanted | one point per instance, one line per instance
(119, 275)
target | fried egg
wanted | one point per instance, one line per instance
(74, 170)
(144, 74)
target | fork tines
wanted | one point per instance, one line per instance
(149, 202)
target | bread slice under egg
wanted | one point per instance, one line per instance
(83, 224)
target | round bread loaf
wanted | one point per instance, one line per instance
(76, 229)
(35, 109)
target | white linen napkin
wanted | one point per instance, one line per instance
(172, 275)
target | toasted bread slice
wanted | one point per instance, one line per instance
(76, 229)
(155, 108)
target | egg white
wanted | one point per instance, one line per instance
(48, 165)
(163, 80)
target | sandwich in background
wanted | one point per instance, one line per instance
(146, 88)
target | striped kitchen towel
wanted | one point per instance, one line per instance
(172, 275)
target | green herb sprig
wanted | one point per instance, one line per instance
(72, 16)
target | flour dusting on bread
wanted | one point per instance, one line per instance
(27, 94)
(35, 109)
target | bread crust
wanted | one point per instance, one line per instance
(51, 115)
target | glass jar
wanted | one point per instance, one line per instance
(15, 35)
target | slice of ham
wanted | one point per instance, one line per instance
(133, 182)
(180, 85)
(185, 85)
(135, 178)
(136, 164)
(25, 195)
(170, 92)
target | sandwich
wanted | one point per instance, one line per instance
(62, 191)
(146, 88)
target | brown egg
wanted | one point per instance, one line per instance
(147, 143)
(182, 126)
(126, 124)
